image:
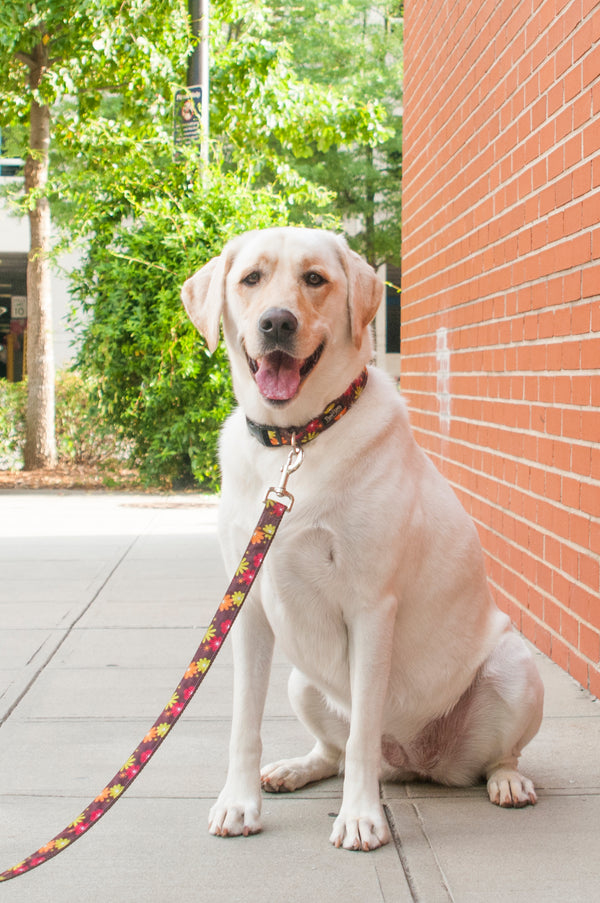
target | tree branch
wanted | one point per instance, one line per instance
(25, 58)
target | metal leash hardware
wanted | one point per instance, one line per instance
(294, 460)
(277, 501)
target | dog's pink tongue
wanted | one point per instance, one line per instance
(278, 376)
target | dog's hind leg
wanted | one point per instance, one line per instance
(331, 732)
(489, 727)
(523, 700)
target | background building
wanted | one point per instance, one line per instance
(14, 247)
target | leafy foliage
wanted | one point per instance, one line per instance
(155, 377)
(347, 65)
(83, 436)
(303, 129)
(13, 399)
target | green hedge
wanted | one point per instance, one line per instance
(156, 382)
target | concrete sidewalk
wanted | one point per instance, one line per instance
(103, 601)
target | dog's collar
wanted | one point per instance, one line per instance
(273, 436)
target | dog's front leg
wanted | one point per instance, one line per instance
(237, 810)
(361, 823)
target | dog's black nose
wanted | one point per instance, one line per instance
(278, 324)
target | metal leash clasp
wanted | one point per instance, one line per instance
(294, 460)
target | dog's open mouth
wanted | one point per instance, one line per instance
(279, 375)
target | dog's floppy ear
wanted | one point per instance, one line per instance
(203, 295)
(365, 291)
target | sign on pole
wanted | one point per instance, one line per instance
(18, 307)
(188, 116)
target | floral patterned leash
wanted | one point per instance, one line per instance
(277, 501)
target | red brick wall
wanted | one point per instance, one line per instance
(500, 295)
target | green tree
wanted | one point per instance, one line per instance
(152, 218)
(146, 218)
(58, 60)
(350, 54)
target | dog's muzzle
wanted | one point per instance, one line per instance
(277, 372)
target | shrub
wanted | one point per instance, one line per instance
(82, 437)
(13, 402)
(155, 380)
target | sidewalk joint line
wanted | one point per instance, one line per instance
(67, 633)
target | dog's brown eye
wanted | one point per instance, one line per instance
(314, 279)
(252, 278)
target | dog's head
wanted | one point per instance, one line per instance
(296, 306)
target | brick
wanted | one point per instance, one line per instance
(591, 138)
(559, 653)
(561, 323)
(578, 668)
(581, 316)
(562, 456)
(572, 84)
(594, 681)
(571, 423)
(581, 390)
(569, 628)
(572, 217)
(582, 180)
(543, 639)
(582, 602)
(590, 496)
(589, 209)
(590, 281)
(571, 492)
(582, 40)
(579, 529)
(581, 463)
(571, 16)
(560, 590)
(555, 162)
(590, 357)
(589, 572)
(571, 286)
(563, 57)
(563, 190)
(591, 66)
(552, 615)
(582, 109)
(581, 249)
(589, 643)
(563, 125)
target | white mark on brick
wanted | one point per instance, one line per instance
(442, 357)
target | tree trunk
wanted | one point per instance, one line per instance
(40, 444)
(370, 252)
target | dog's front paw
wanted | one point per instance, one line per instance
(509, 789)
(360, 832)
(229, 818)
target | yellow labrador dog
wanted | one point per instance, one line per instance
(375, 588)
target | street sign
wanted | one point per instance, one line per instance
(18, 307)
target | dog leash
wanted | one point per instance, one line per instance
(277, 501)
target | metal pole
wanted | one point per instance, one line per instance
(198, 66)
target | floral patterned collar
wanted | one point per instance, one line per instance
(273, 436)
